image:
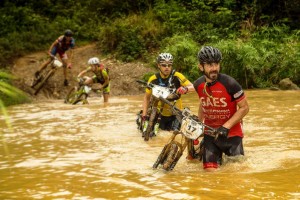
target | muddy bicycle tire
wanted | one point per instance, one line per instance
(36, 81)
(172, 156)
(162, 156)
(73, 98)
(43, 81)
(82, 98)
(150, 126)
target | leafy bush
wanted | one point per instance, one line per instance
(130, 38)
(184, 51)
(261, 62)
(9, 95)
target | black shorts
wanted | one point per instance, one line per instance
(169, 123)
(214, 149)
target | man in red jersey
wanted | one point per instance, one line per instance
(223, 105)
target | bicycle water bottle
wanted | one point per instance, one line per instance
(156, 127)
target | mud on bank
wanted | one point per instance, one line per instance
(123, 75)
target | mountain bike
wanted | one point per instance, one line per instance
(79, 94)
(38, 82)
(150, 126)
(191, 129)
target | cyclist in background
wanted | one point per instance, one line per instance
(167, 77)
(60, 46)
(100, 76)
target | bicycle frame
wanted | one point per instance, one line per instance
(191, 129)
(151, 125)
(78, 94)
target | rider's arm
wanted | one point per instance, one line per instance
(146, 103)
(51, 47)
(82, 73)
(190, 87)
(185, 82)
(243, 109)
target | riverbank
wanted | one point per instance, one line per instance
(123, 75)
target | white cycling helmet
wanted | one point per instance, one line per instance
(163, 57)
(93, 61)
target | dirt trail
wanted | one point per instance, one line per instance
(123, 75)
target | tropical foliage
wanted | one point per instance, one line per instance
(259, 39)
(8, 95)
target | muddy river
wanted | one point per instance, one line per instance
(59, 151)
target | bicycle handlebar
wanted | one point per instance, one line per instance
(173, 96)
(150, 85)
(179, 112)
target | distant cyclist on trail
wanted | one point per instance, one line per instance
(60, 46)
(100, 76)
(167, 77)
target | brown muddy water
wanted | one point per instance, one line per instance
(59, 151)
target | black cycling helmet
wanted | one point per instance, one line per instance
(164, 57)
(208, 54)
(68, 33)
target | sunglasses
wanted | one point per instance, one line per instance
(166, 65)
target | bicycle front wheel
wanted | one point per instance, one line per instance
(43, 81)
(151, 123)
(172, 156)
(74, 97)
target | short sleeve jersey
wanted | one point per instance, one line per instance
(101, 75)
(176, 80)
(63, 45)
(219, 101)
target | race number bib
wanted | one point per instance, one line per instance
(191, 128)
(158, 91)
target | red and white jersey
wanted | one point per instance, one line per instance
(219, 101)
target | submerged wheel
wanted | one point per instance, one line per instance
(82, 99)
(71, 95)
(151, 124)
(74, 97)
(173, 156)
(162, 156)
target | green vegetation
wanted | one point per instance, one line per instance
(8, 95)
(259, 39)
